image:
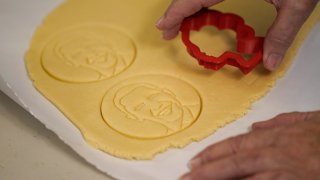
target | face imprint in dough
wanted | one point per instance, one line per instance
(88, 53)
(143, 107)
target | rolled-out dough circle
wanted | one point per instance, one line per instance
(87, 53)
(151, 106)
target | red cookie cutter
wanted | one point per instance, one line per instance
(247, 42)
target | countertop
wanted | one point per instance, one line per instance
(29, 151)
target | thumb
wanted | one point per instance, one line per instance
(291, 16)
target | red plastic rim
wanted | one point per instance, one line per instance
(247, 42)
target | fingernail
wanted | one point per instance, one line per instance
(193, 163)
(185, 177)
(159, 22)
(273, 61)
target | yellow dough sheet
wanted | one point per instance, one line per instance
(132, 94)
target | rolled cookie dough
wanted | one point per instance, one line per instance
(132, 94)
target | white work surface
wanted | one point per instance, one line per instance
(30, 151)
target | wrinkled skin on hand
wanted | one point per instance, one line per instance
(285, 147)
(291, 16)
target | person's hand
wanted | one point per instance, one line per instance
(285, 147)
(291, 16)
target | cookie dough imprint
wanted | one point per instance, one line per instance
(88, 53)
(151, 106)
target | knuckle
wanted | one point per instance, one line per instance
(236, 143)
(278, 40)
(244, 163)
(205, 156)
